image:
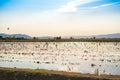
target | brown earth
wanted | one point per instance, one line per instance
(41, 74)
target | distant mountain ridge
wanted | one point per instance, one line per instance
(45, 37)
(15, 35)
(116, 35)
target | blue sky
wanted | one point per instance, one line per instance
(60, 17)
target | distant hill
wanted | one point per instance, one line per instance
(45, 37)
(15, 35)
(116, 35)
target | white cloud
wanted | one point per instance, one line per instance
(72, 6)
(104, 5)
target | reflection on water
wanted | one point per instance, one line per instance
(83, 57)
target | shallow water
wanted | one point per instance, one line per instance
(83, 57)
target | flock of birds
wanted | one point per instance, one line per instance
(84, 57)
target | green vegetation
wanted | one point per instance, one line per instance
(59, 39)
(41, 74)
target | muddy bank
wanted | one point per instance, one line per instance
(39, 74)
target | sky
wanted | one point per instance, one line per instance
(60, 17)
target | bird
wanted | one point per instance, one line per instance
(8, 28)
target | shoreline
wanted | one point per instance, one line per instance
(63, 40)
(43, 74)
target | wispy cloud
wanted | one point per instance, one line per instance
(105, 5)
(72, 6)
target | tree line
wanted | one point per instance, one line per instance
(59, 39)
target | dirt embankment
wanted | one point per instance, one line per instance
(39, 74)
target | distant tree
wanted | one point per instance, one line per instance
(71, 37)
(94, 37)
(57, 37)
(1, 37)
(35, 38)
(20, 38)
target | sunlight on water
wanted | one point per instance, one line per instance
(83, 57)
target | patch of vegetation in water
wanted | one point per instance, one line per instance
(61, 40)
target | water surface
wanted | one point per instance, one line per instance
(83, 57)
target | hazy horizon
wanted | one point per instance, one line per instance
(60, 17)
(90, 35)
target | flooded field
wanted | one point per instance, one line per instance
(83, 57)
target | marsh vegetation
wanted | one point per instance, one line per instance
(83, 57)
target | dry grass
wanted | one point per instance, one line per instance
(41, 74)
(63, 40)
